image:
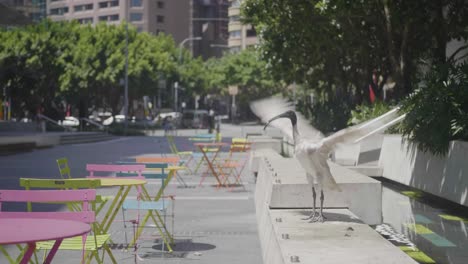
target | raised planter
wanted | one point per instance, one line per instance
(446, 177)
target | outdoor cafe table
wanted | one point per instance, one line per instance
(32, 230)
(125, 185)
(203, 146)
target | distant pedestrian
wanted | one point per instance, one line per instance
(211, 115)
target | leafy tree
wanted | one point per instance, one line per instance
(245, 70)
(437, 112)
(332, 47)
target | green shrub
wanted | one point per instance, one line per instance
(366, 112)
(437, 112)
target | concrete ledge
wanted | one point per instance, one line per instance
(342, 239)
(284, 182)
(265, 142)
(443, 176)
(371, 171)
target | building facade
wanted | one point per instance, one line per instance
(210, 22)
(153, 16)
(240, 36)
(35, 10)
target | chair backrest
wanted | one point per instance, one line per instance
(171, 160)
(63, 167)
(29, 183)
(172, 145)
(158, 170)
(93, 168)
(240, 145)
(86, 196)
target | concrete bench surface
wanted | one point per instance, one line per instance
(284, 182)
(342, 239)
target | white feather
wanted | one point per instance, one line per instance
(311, 148)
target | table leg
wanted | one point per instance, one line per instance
(119, 201)
(105, 221)
(52, 252)
(210, 165)
(27, 256)
(162, 229)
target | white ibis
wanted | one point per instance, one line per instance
(311, 148)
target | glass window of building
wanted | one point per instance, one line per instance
(136, 16)
(114, 3)
(160, 4)
(87, 20)
(114, 17)
(233, 18)
(136, 3)
(235, 3)
(160, 19)
(103, 18)
(251, 32)
(103, 5)
(235, 34)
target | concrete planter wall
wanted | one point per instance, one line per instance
(446, 177)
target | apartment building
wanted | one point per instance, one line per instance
(240, 36)
(153, 16)
(33, 10)
(210, 22)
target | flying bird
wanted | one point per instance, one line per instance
(311, 147)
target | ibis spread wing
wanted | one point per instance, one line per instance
(267, 108)
(357, 132)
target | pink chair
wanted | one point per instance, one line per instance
(94, 169)
(87, 215)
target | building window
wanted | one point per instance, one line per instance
(136, 3)
(160, 4)
(87, 20)
(114, 3)
(235, 34)
(251, 32)
(235, 49)
(160, 19)
(136, 16)
(235, 3)
(233, 18)
(103, 5)
(103, 18)
(113, 17)
(80, 8)
(59, 11)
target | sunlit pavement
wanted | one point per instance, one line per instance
(210, 225)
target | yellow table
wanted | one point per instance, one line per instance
(211, 167)
(146, 196)
(125, 185)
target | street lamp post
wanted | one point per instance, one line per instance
(179, 59)
(126, 79)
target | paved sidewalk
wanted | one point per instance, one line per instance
(211, 225)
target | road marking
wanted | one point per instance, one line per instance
(412, 194)
(419, 229)
(431, 236)
(417, 255)
(453, 218)
(421, 219)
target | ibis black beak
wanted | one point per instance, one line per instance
(283, 115)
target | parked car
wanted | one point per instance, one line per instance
(195, 119)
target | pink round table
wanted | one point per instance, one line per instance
(32, 230)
